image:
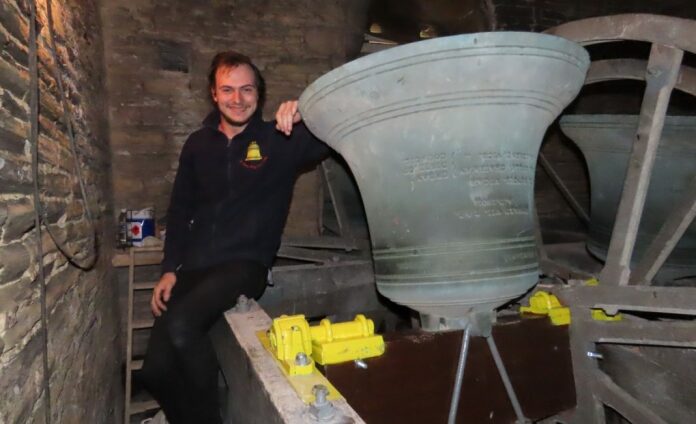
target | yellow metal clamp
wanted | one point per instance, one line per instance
(292, 340)
(598, 314)
(297, 346)
(291, 344)
(544, 303)
(327, 332)
(345, 341)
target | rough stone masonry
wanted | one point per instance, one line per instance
(157, 61)
(82, 314)
(154, 56)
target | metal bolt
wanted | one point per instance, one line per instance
(595, 355)
(320, 393)
(301, 359)
(321, 409)
(654, 72)
(360, 364)
(243, 304)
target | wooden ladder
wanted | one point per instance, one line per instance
(136, 256)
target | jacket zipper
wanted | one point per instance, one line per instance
(216, 215)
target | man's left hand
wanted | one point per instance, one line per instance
(287, 116)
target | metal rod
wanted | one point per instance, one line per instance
(538, 237)
(560, 185)
(454, 403)
(338, 208)
(506, 380)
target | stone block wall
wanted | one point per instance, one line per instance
(82, 314)
(157, 60)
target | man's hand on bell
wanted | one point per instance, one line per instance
(287, 116)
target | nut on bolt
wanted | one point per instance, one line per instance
(320, 394)
(321, 409)
(243, 304)
(301, 359)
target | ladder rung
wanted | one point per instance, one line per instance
(148, 249)
(140, 324)
(142, 406)
(148, 285)
(136, 364)
(141, 258)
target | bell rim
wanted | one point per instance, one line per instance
(488, 38)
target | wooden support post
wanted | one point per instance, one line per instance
(663, 68)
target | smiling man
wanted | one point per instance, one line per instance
(227, 211)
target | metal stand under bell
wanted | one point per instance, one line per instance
(456, 393)
(481, 324)
(521, 419)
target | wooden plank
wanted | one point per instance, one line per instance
(147, 285)
(621, 69)
(628, 406)
(640, 370)
(667, 238)
(665, 30)
(140, 324)
(129, 341)
(663, 68)
(131, 258)
(143, 406)
(423, 365)
(589, 409)
(311, 255)
(141, 258)
(323, 242)
(668, 300)
(653, 333)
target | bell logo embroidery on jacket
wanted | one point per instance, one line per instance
(253, 152)
(253, 159)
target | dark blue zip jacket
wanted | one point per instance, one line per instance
(230, 200)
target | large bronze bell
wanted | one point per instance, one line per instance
(606, 142)
(442, 137)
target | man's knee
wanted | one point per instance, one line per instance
(182, 333)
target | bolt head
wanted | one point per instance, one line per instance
(301, 359)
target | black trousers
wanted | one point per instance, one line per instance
(180, 369)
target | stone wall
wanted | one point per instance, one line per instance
(82, 314)
(157, 62)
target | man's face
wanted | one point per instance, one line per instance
(236, 94)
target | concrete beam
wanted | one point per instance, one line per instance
(258, 392)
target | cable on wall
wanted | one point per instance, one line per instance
(67, 121)
(39, 212)
(34, 140)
